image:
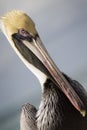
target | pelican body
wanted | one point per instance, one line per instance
(63, 103)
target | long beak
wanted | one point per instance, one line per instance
(36, 46)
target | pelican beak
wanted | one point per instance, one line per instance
(24, 41)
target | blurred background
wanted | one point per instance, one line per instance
(62, 25)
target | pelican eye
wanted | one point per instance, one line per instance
(24, 35)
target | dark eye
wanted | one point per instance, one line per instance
(25, 35)
(23, 32)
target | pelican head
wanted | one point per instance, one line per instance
(20, 31)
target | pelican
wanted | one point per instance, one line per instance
(63, 103)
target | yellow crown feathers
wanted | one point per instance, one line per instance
(14, 20)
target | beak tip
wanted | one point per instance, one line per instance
(83, 113)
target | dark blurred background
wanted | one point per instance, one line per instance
(62, 25)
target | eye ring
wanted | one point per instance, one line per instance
(25, 35)
(23, 32)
